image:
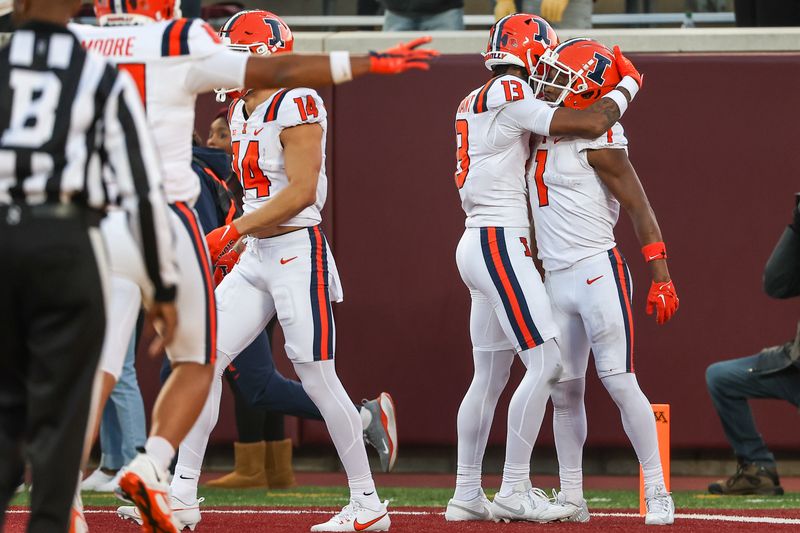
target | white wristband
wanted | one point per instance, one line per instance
(620, 99)
(630, 85)
(340, 67)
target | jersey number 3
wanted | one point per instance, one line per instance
(249, 171)
(462, 151)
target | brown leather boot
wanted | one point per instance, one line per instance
(749, 479)
(248, 469)
(278, 462)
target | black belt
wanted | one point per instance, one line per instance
(14, 214)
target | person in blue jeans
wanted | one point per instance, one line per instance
(122, 428)
(423, 15)
(773, 373)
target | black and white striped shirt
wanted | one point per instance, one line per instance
(74, 131)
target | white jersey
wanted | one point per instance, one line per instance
(258, 158)
(494, 125)
(573, 211)
(172, 62)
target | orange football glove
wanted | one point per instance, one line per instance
(402, 57)
(224, 266)
(221, 241)
(663, 299)
(626, 68)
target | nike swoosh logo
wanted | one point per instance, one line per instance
(558, 140)
(284, 261)
(227, 229)
(182, 477)
(385, 447)
(657, 256)
(519, 511)
(483, 516)
(590, 281)
(358, 526)
(259, 130)
(663, 301)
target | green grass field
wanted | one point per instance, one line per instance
(426, 497)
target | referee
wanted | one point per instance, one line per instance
(73, 140)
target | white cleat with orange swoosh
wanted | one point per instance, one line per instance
(355, 517)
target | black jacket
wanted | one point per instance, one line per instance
(421, 7)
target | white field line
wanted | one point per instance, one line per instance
(683, 516)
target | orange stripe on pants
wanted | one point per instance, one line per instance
(322, 298)
(625, 296)
(512, 297)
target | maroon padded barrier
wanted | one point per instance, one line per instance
(713, 140)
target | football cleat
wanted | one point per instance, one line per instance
(147, 486)
(185, 515)
(381, 433)
(112, 485)
(95, 480)
(77, 522)
(355, 517)
(477, 509)
(528, 504)
(580, 512)
(660, 508)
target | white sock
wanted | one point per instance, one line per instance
(344, 424)
(569, 429)
(160, 450)
(639, 424)
(193, 447)
(475, 418)
(526, 410)
(366, 418)
(513, 474)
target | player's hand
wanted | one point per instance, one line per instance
(164, 316)
(663, 299)
(626, 68)
(224, 266)
(504, 8)
(221, 241)
(402, 57)
(553, 10)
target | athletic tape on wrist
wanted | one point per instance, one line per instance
(620, 99)
(654, 251)
(630, 85)
(341, 70)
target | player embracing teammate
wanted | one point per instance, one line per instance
(496, 127)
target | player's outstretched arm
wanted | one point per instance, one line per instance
(596, 119)
(295, 70)
(617, 173)
(302, 151)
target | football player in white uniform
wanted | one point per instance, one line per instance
(173, 60)
(287, 268)
(576, 188)
(510, 311)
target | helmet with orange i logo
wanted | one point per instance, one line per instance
(520, 40)
(121, 12)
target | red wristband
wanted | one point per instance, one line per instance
(654, 251)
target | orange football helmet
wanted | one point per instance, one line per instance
(520, 40)
(583, 69)
(256, 32)
(109, 12)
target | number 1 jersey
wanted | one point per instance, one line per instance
(493, 134)
(171, 62)
(258, 157)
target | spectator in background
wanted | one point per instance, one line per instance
(707, 6)
(423, 15)
(559, 13)
(122, 428)
(368, 7)
(767, 12)
(6, 7)
(772, 373)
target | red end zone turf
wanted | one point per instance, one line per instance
(241, 520)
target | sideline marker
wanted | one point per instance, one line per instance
(661, 413)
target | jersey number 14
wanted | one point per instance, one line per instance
(249, 171)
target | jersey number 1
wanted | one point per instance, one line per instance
(462, 151)
(538, 177)
(249, 171)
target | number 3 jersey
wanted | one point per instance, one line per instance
(494, 125)
(574, 213)
(171, 62)
(258, 157)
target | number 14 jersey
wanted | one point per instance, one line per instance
(258, 158)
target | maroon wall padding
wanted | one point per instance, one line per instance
(713, 138)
